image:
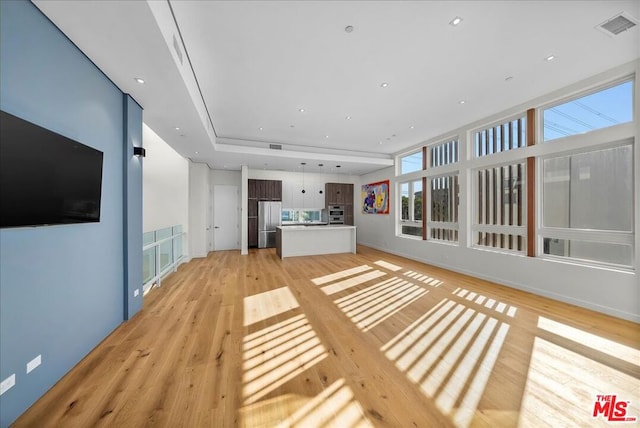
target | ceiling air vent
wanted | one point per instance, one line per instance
(618, 24)
(275, 146)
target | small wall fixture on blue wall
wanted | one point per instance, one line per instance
(139, 151)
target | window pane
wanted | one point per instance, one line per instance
(404, 192)
(590, 190)
(411, 163)
(597, 251)
(500, 195)
(600, 110)
(505, 136)
(444, 199)
(444, 154)
(443, 234)
(417, 200)
(411, 230)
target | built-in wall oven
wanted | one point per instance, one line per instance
(336, 214)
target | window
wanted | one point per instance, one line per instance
(602, 109)
(412, 208)
(500, 212)
(443, 154)
(443, 224)
(505, 136)
(411, 162)
(588, 205)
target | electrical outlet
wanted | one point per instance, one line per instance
(34, 363)
(7, 384)
(136, 292)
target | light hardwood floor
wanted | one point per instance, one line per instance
(367, 339)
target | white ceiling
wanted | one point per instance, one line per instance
(248, 65)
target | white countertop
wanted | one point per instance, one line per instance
(312, 227)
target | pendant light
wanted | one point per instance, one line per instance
(303, 164)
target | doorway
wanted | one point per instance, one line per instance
(225, 218)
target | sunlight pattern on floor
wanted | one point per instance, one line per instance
(339, 275)
(335, 406)
(387, 265)
(352, 282)
(261, 306)
(371, 306)
(600, 344)
(279, 352)
(426, 279)
(450, 352)
(488, 303)
(560, 378)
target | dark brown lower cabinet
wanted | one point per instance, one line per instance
(253, 231)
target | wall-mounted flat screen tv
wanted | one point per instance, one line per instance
(46, 178)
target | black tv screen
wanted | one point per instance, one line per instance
(46, 178)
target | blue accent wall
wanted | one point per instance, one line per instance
(132, 168)
(62, 287)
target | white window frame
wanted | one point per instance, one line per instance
(412, 221)
(585, 235)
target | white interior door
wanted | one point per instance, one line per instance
(225, 218)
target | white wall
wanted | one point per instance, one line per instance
(199, 223)
(607, 290)
(165, 181)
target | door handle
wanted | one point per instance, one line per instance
(216, 227)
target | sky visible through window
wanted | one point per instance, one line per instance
(411, 163)
(609, 107)
(602, 109)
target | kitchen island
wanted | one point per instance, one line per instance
(294, 241)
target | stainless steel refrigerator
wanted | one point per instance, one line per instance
(269, 217)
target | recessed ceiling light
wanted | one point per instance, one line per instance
(196, 152)
(261, 128)
(384, 84)
(301, 110)
(550, 58)
(455, 21)
(412, 127)
(177, 128)
(140, 80)
(348, 117)
(379, 142)
(461, 102)
(348, 28)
